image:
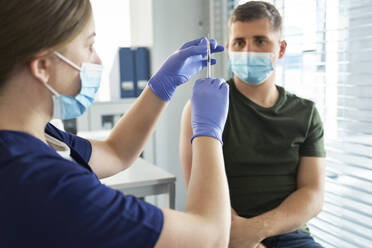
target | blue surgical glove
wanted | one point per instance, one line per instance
(181, 66)
(209, 107)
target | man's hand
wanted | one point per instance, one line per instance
(243, 233)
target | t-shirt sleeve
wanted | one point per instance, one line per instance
(81, 145)
(82, 212)
(313, 145)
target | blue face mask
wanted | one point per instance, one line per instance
(68, 107)
(251, 67)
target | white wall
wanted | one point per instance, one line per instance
(175, 22)
(113, 30)
(141, 22)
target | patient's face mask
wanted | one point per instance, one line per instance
(68, 107)
(252, 67)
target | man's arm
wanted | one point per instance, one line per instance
(295, 211)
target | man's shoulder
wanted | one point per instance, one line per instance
(292, 96)
(294, 99)
(230, 81)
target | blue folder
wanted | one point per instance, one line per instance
(142, 68)
(128, 83)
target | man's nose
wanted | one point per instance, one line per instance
(248, 46)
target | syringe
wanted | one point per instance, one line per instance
(209, 62)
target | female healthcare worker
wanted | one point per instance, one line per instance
(48, 69)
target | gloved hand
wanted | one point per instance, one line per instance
(181, 66)
(209, 107)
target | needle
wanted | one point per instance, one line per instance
(209, 62)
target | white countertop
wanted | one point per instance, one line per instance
(141, 173)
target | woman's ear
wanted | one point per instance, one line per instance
(40, 67)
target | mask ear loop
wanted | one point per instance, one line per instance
(67, 61)
(51, 89)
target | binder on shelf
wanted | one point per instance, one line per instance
(130, 72)
(142, 68)
(128, 83)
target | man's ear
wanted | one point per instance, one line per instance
(40, 67)
(227, 48)
(283, 47)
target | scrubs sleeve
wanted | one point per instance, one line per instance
(81, 145)
(82, 212)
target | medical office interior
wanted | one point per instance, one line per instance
(328, 60)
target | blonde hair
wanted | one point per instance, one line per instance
(28, 27)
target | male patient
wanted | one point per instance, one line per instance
(273, 140)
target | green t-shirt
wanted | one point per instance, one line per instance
(262, 148)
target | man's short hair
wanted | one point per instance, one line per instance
(254, 10)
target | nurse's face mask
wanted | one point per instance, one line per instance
(252, 67)
(68, 107)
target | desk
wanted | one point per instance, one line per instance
(144, 179)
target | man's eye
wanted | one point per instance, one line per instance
(239, 43)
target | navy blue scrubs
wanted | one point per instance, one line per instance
(48, 201)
